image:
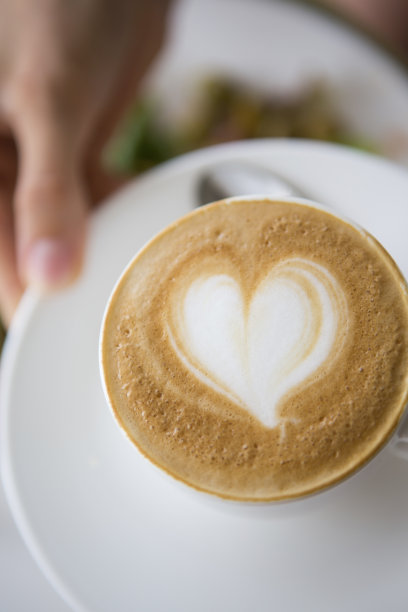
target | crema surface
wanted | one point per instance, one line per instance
(258, 350)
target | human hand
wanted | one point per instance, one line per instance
(67, 72)
(388, 19)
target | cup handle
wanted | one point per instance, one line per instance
(399, 441)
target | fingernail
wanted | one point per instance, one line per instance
(49, 263)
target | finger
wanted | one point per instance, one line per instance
(136, 61)
(143, 48)
(50, 202)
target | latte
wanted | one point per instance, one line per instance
(258, 350)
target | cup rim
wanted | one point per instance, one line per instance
(290, 498)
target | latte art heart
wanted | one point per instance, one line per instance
(257, 350)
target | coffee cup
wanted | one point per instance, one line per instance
(257, 349)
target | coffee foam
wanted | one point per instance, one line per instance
(258, 351)
(250, 422)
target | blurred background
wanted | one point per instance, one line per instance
(313, 97)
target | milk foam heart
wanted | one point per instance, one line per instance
(257, 352)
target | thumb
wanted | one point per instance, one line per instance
(50, 203)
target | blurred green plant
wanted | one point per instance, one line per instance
(225, 111)
(139, 143)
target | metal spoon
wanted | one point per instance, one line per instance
(237, 178)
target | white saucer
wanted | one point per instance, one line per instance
(111, 533)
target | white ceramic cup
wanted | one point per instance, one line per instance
(397, 440)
